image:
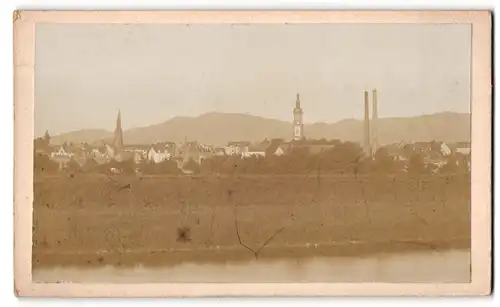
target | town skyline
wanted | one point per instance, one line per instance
(220, 128)
(257, 70)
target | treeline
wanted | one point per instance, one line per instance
(345, 158)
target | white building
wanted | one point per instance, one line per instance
(445, 150)
(277, 149)
(463, 150)
(219, 151)
(236, 148)
(157, 156)
(232, 150)
(110, 151)
(62, 156)
(61, 153)
(253, 151)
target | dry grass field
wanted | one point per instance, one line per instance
(98, 220)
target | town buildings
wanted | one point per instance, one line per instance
(117, 150)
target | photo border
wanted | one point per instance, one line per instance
(481, 148)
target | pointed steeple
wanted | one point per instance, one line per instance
(119, 120)
(118, 140)
(297, 102)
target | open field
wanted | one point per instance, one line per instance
(99, 220)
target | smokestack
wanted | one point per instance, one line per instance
(368, 150)
(374, 121)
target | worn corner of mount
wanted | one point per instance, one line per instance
(16, 15)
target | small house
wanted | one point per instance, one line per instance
(257, 150)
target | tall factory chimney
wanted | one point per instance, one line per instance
(374, 127)
(367, 136)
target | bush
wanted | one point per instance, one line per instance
(91, 166)
(192, 166)
(164, 167)
(72, 166)
(43, 164)
(416, 164)
(384, 163)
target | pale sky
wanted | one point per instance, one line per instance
(84, 73)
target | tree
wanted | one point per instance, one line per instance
(431, 168)
(167, 167)
(90, 166)
(231, 165)
(72, 166)
(46, 138)
(345, 157)
(416, 164)
(192, 166)
(384, 162)
(42, 143)
(255, 165)
(297, 161)
(43, 164)
(127, 166)
(463, 162)
(38, 144)
(451, 165)
(212, 165)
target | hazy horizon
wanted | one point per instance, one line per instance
(228, 113)
(153, 72)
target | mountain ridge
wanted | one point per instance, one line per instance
(219, 128)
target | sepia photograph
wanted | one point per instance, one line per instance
(255, 152)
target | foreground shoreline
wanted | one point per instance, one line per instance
(239, 254)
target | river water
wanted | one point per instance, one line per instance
(449, 266)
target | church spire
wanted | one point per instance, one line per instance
(297, 102)
(119, 120)
(118, 139)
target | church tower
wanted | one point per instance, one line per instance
(118, 140)
(298, 126)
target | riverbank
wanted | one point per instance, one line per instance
(240, 254)
(410, 267)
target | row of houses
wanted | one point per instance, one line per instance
(160, 152)
(275, 147)
(436, 153)
(431, 150)
(103, 154)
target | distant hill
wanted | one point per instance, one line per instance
(219, 128)
(82, 136)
